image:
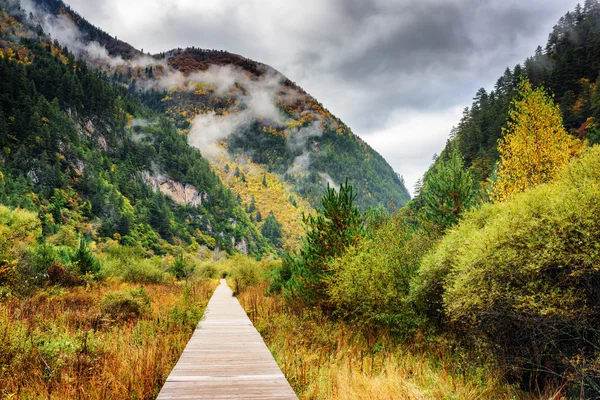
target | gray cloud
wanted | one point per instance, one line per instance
(385, 67)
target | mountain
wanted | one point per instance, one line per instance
(230, 105)
(250, 123)
(568, 66)
(82, 151)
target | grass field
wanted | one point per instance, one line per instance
(332, 360)
(110, 340)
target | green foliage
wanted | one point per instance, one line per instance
(85, 261)
(369, 284)
(524, 276)
(448, 191)
(130, 264)
(208, 271)
(271, 230)
(126, 305)
(38, 261)
(244, 273)
(334, 228)
(183, 267)
(264, 181)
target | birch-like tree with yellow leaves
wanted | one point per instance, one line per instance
(535, 146)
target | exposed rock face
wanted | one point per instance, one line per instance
(242, 246)
(181, 193)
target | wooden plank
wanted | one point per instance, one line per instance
(226, 358)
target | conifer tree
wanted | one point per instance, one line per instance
(448, 191)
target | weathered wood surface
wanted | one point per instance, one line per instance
(226, 358)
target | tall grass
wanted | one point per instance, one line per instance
(334, 360)
(109, 341)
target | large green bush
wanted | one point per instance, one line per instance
(131, 264)
(370, 282)
(244, 273)
(524, 275)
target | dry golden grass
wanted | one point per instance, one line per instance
(332, 360)
(63, 344)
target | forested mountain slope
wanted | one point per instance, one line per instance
(251, 110)
(568, 66)
(240, 109)
(76, 146)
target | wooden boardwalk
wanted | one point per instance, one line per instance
(226, 358)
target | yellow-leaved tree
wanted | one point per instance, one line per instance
(535, 146)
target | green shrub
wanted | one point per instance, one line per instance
(143, 271)
(182, 267)
(18, 229)
(126, 305)
(524, 275)
(39, 260)
(370, 282)
(427, 287)
(208, 270)
(245, 272)
(66, 236)
(85, 261)
(131, 265)
(47, 263)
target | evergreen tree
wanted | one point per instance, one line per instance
(252, 207)
(85, 260)
(448, 191)
(271, 230)
(337, 225)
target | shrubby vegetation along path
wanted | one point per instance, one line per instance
(226, 358)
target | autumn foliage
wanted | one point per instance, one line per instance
(536, 146)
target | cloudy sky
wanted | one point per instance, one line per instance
(398, 72)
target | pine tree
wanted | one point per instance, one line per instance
(337, 225)
(264, 181)
(271, 230)
(252, 207)
(448, 191)
(85, 260)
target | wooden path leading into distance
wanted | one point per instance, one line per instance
(226, 358)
